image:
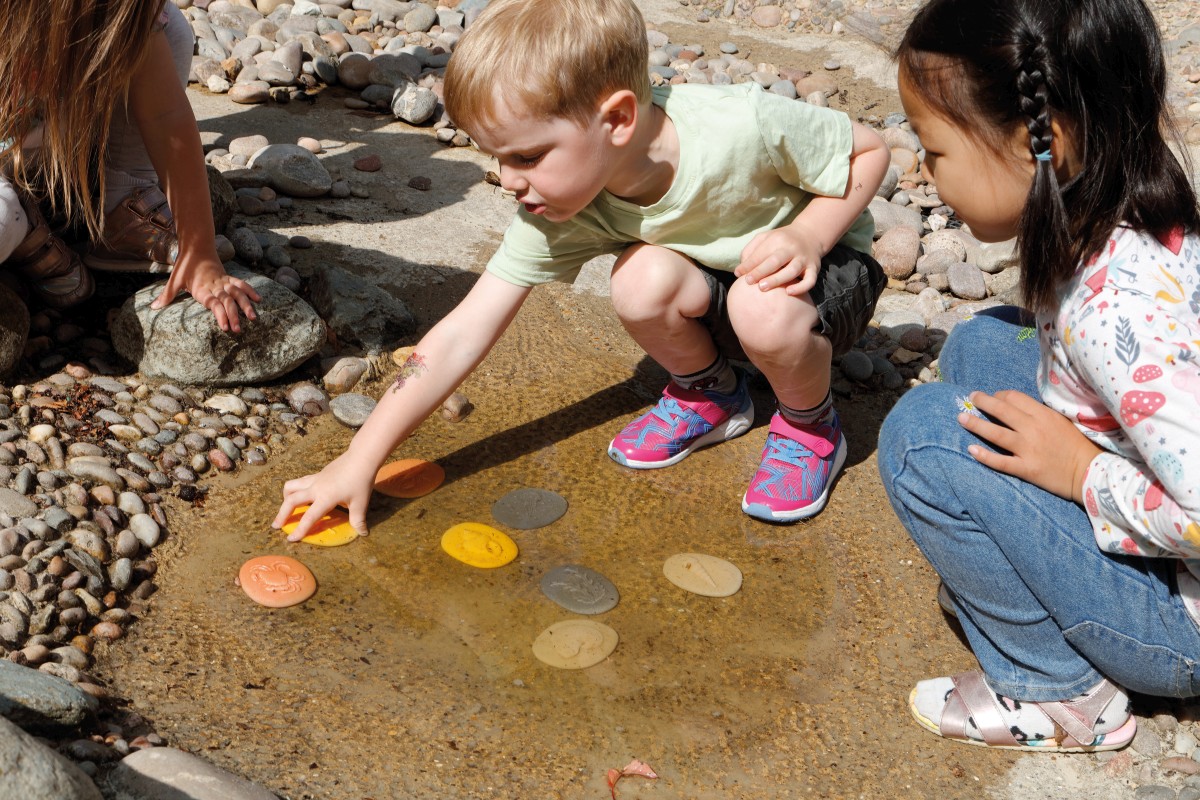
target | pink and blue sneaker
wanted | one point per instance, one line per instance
(681, 423)
(797, 470)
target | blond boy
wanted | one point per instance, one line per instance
(739, 221)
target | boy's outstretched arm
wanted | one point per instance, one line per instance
(792, 255)
(443, 358)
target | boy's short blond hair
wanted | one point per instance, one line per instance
(551, 58)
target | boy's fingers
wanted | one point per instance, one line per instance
(358, 518)
(314, 513)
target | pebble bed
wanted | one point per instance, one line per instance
(88, 455)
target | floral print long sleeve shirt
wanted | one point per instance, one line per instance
(1121, 357)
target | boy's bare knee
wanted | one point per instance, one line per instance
(647, 281)
(771, 321)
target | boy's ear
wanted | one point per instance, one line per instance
(619, 111)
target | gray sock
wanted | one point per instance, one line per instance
(717, 377)
(808, 417)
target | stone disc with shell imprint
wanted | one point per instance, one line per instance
(703, 574)
(579, 589)
(575, 644)
(526, 509)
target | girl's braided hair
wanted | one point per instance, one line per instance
(1093, 66)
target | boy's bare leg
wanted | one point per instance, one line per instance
(658, 295)
(777, 332)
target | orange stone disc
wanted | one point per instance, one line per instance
(409, 477)
(276, 581)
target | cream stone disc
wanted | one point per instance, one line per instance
(479, 545)
(700, 574)
(575, 644)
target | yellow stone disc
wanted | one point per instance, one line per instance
(331, 530)
(575, 644)
(479, 545)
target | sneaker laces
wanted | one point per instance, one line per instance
(789, 451)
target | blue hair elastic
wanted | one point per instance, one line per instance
(1043, 156)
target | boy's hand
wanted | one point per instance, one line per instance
(343, 482)
(1046, 449)
(787, 257)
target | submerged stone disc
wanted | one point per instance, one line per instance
(276, 581)
(409, 477)
(331, 530)
(526, 509)
(579, 589)
(701, 574)
(575, 644)
(479, 545)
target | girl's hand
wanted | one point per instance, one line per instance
(1046, 448)
(343, 482)
(783, 257)
(221, 293)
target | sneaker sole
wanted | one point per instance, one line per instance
(768, 514)
(731, 428)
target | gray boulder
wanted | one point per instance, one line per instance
(292, 170)
(31, 771)
(220, 194)
(414, 104)
(183, 343)
(40, 701)
(359, 311)
(889, 215)
(164, 772)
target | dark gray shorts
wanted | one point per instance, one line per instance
(847, 289)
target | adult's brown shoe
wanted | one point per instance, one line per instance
(139, 235)
(54, 272)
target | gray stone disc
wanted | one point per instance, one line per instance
(579, 589)
(525, 509)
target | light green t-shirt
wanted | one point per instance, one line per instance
(749, 161)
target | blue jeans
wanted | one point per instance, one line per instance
(1046, 612)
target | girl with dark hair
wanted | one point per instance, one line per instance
(95, 125)
(1053, 478)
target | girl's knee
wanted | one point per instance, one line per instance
(924, 415)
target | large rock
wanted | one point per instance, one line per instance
(359, 311)
(222, 197)
(292, 170)
(39, 701)
(31, 771)
(182, 342)
(897, 250)
(889, 215)
(14, 329)
(164, 772)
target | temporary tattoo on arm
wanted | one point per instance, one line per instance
(413, 365)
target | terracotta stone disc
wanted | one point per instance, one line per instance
(409, 477)
(276, 581)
